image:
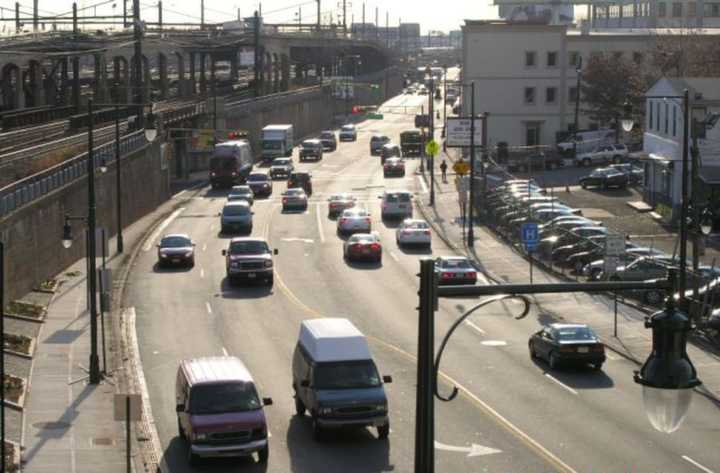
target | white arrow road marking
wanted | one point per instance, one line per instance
(319, 222)
(304, 240)
(224, 350)
(560, 383)
(208, 308)
(422, 184)
(690, 460)
(494, 343)
(475, 327)
(474, 450)
(149, 242)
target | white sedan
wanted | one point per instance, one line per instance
(354, 220)
(413, 232)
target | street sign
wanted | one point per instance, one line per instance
(432, 148)
(457, 132)
(374, 116)
(461, 167)
(615, 245)
(422, 121)
(530, 235)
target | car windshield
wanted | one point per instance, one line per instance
(340, 197)
(353, 213)
(346, 375)
(226, 397)
(455, 263)
(241, 190)
(417, 225)
(258, 178)
(397, 197)
(218, 163)
(175, 242)
(363, 239)
(294, 192)
(249, 247)
(376, 139)
(567, 334)
(348, 128)
(280, 162)
(271, 145)
(310, 144)
(235, 210)
(327, 134)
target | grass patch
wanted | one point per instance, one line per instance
(49, 286)
(10, 456)
(26, 309)
(72, 274)
(13, 388)
(18, 343)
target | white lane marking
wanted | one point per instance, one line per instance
(212, 227)
(560, 383)
(208, 308)
(204, 248)
(319, 222)
(394, 256)
(422, 184)
(202, 273)
(690, 460)
(474, 450)
(494, 343)
(149, 242)
(225, 352)
(179, 194)
(613, 357)
(303, 240)
(475, 327)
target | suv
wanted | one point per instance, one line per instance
(376, 144)
(328, 139)
(390, 150)
(236, 215)
(281, 167)
(249, 259)
(348, 133)
(603, 154)
(335, 378)
(397, 204)
(219, 413)
(300, 179)
(311, 148)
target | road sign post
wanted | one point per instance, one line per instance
(461, 167)
(530, 236)
(128, 408)
(432, 148)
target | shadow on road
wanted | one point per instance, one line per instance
(340, 450)
(577, 376)
(215, 193)
(176, 268)
(175, 456)
(363, 265)
(248, 289)
(416, 249)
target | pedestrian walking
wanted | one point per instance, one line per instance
(443, 170)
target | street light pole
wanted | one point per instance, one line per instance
(138, 79)
(94, 367)
(684, 192)
(118, 188)
(431, 133)
(578, 71)
(2, 356)
(471, 229)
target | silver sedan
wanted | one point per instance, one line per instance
(354, 220)
(413, 232)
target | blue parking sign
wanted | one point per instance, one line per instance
(530, 236)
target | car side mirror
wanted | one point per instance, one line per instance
(194, 244)
(252, 213)
(224, 252)
(219, 214)
(305, 383)
(387, 379)
(275, 251)
(158, 245)
(267, 401)
(180, 408)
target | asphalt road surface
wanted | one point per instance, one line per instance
(513, 415)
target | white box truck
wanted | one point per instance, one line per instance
(277, 141)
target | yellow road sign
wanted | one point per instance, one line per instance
(461, 167)
(432, 148)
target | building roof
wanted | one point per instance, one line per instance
(701, 89)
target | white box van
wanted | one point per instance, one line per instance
(277, 141)
(335, 378)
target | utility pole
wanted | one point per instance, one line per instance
(213, 86)
(17, 17)
(695, 194)
(2, 356)
(258, 57)
(138, 79)
(363, 24)
(345, 16)
(471, 229)
(318, 15)
(125, 14)
(94, 361)
(160, 19)
(387, 29)
(425, 388)
(684, 192)
(578, 71)
(202, 14)
(299, 15)
(35, 16)
(377, 25)
(75, 64)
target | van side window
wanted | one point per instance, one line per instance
(305, 364)
(181, 388)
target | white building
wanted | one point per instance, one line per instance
(525, 75)
(663, 138)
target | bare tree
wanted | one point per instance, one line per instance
(685, 53)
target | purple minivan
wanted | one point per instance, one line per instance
(219, 411)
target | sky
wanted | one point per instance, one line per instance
(443, 15)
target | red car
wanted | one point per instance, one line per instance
(394, 167)
(363, 246)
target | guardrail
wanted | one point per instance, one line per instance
(31, 188)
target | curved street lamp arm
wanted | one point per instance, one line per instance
(457, 323)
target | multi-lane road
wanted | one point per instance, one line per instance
(513, 415)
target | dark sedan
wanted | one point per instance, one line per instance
(605, 178)
(567, 343)
(176, 249)
(635, 174)
(260, 184)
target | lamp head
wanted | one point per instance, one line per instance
(706, 223)
(150, 128)
(103, 166)
(67, 239)
(627, 120)
(668, 375)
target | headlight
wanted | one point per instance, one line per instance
(381, 407)
(234, 265)
(325, 410)
(200, 436)
(188, 254)
(268, 264)
(163, 255)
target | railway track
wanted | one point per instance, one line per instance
(20, 138)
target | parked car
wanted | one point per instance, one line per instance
(390, 150)
(236, 216)
(636, 175)
(328, 140)
(260, 184)
(376, 144)
(294, 199)
(363, 246)
(455, 270)
(176, 248)
(413, 232)
(641, 269)
(396, 204)
(567, 343)
(249, 259)
(348, 133)
(219, 411)
(339, 202)
(354, 220)
(311, 149)
(605, 178)
(281, 168)
(300, 179)
(335, 379)
(241, 193)
(394, 167)
(602, 154)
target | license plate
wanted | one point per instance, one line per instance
(176, 260)
(583, 349)
(366, 251)
(251, 275)
(401, 206)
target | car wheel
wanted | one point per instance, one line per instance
(653, 297)
(263, 454)
(604, 185)
(595, 274)
(192, 459)
(583, 185)
(317, 429)
(223, 229)
(597, 366)
(383, 431)
(531, 348)
(616, 159)
(299, 406)
(579, 267)
(181, 432)
(397, 240)
(270, 281)
(587, 162)
(553, 360)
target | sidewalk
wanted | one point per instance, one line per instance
(502, 264)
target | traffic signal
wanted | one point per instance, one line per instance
(355, 110)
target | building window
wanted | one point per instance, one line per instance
(617, 55)
(674, 120)
(532, 134)
(712, 9)
(667, 118)
(573, 94)
(661, 9)
(529, 58)
(530, 95)
(650, 115)
(692, 9)
(552, 59)
(676, 9)
(573, 58)
(657, 116)
(550, 95)
(637, 58)
(697, 118)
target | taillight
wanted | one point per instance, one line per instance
(567, 349)
(427, 232)
(599, 347)
(375, 246)
(471, 275)
(367, 220)
(446, 275)
(285, 200)
(343, 220)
